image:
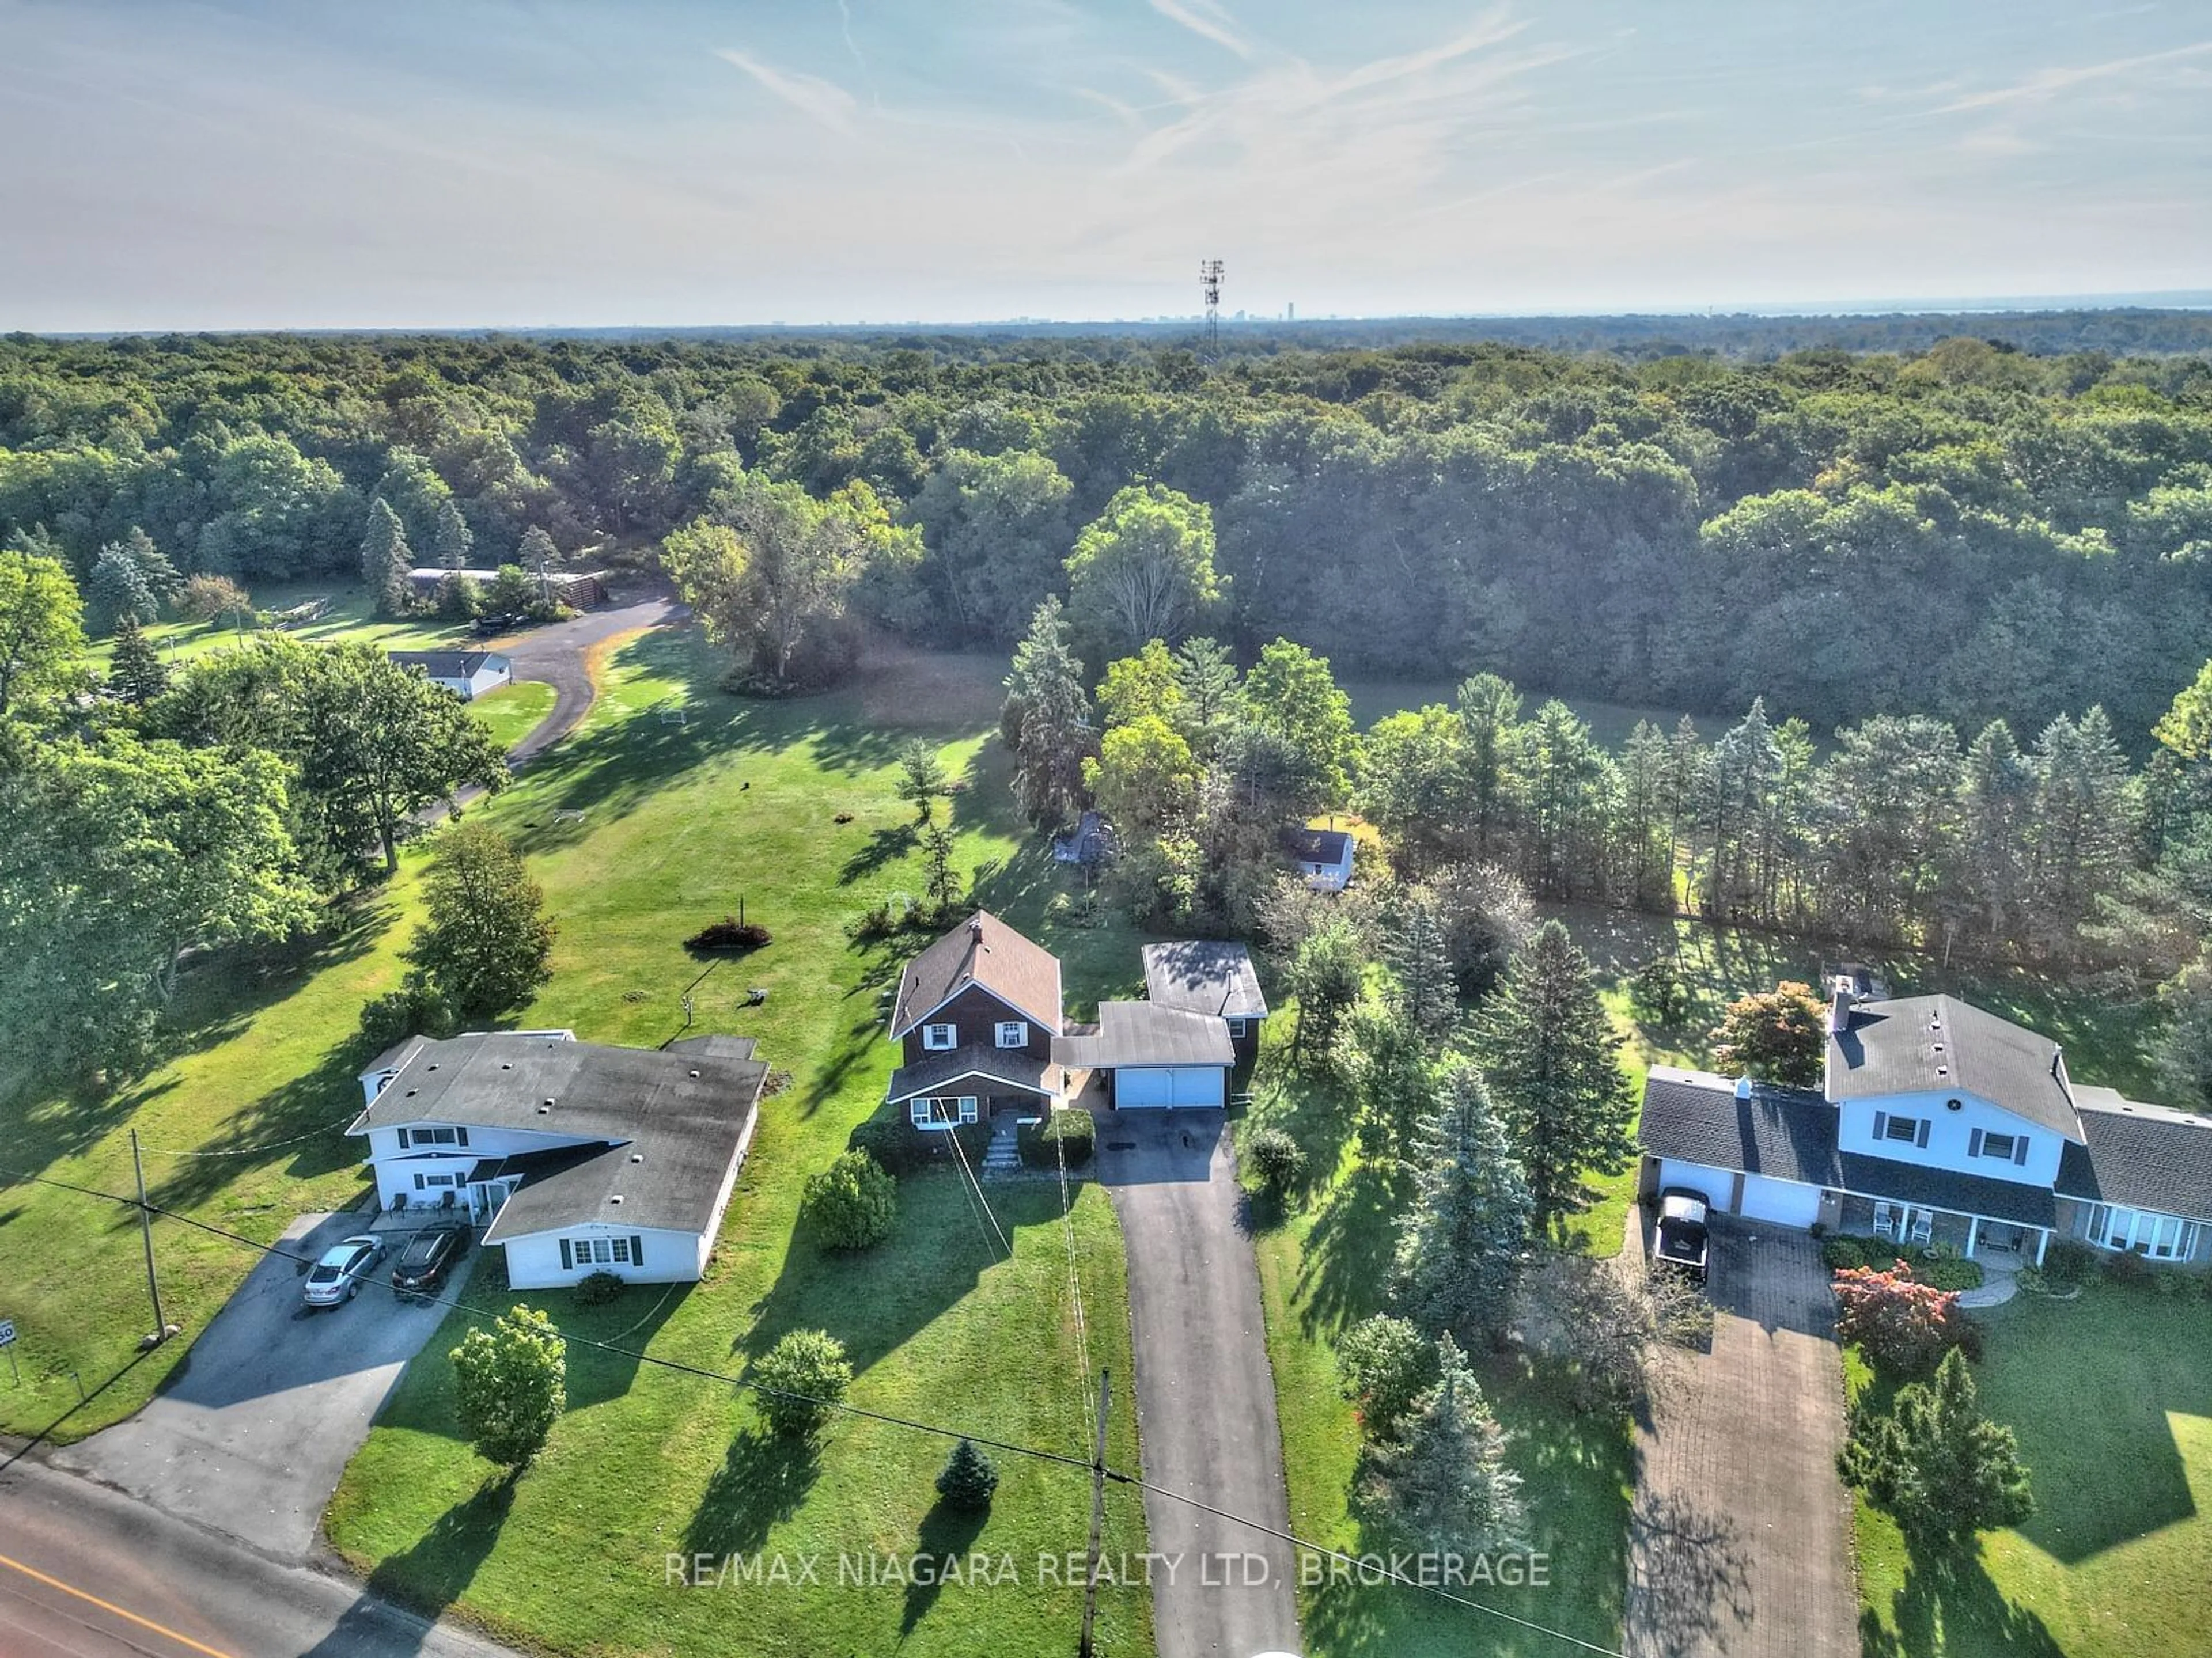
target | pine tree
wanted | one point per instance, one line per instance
(136, 674)
(162, 579)
(1937, 1463)
(1442, 1484)
(1461, 1246)
(451, 538)
(117, 588)
(1552, 1059)
(1424, 989)
(940, 880)
(967, 1481)
(2081, 835)
(1996, 789)
(1206, 674)
(1046, 719)
(385, 559)
(537, 552)
(1646, 837)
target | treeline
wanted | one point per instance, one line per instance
(1970, 531)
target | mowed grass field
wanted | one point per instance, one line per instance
(351, 616)
(678, 824)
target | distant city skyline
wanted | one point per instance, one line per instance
(673, 163)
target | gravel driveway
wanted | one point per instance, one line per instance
(1206, 1396)
(253, 1429)
(1740, 1538)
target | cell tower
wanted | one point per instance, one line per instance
(1209, 280)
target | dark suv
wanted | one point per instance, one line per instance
(1682, 1231)
(428, 1256)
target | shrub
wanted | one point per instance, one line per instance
(852, 1203)
(2068, 1261)
(1949, 1272)
(1066, 1133)
(510, 1385)
(1385, 1363)
(393, 1017)
(799, 1380)
(2128, 1269)
(969, 1481)
(1902, 1325)
(598, 1288)
(1277, 1159)
(728, 933)
(1839, 1254)
(1658, 992)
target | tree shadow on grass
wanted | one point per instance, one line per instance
(1949, 1604)
(761, 1482)
(428, 1577)
(1345, 1269)
(883, 846)
(299, 1123)
(945, 1533)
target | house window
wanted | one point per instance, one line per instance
(938, 1037)
(601, 1251)
(2005, 1148)
(433, 1183)
(1907, 1129)
(439, 1136)
(1013, 1033)
(2161, 1237)
(1239, 1028)
(942, 1111)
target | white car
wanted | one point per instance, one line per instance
(336, 1277)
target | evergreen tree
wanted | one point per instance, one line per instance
(1206, 673)
(1997, 792)
(1552, 1059)
(1645, 831)
(1326, 973)
(162, 579)
(940, 880)
(921, 777)
(1491, 709)
(1443, 1484)
(1390, 1073)
(451, 539)
(2082, 833)
(537, 552)
(1937, 1463)
(1462, 1244)
(136, 674)
(1046, 719)
(1424, 989)
(386, 560)
(117, 588)
(968, 1480)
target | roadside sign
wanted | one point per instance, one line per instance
(7, 1332)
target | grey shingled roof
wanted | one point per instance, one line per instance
(1204, 976)
(934, 1073)
(1933, 1044)
(2141, 1157)
(987, 952)
(447, 664)
(1784, 1133)
(1945, 1189)
(1313, 846)
(1141, 1033)
(671, 1123)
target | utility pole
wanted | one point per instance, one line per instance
(146, 1233)
(1084, 1648)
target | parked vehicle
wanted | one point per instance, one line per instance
(1682, 1231)
(338, 1276)
(428, 1256)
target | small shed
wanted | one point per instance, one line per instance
(1323, 857)
(467, 674)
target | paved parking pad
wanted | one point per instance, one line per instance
(253, 1429)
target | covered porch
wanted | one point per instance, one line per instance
(1999, 1244)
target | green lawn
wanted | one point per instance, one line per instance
(514, 711)
(1324, 1266)
(2111, 1397)
(678, 824)
(351, 617)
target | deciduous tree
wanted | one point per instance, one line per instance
(1778, 1035)
(1144, 569)
(510, 1386)
(485, 941)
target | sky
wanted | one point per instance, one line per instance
(512, 163)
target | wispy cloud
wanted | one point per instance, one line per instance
(1380, 71)
(824, 101)
(1205, 19)
(2045, 83)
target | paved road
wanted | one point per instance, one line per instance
(560, 656)
(1205, 1397)
(1739, 1541)
(252, 1431)
(86, 1572)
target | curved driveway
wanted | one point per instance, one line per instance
(560, 656)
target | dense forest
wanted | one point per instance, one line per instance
(1971, 531)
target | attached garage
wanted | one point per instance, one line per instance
(1157, 1058)
(1169, 1086)
(1716, 1186)
(1784, 1202)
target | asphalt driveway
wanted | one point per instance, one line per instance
(1206, 1396)
(252, 1430)
(1739, 1541)
(559, 655)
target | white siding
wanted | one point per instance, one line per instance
(534, 1262)
(1951, 1136)
(1717, 1185)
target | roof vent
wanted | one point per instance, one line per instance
(637, 1157)
(545, 1109)
(506, 1065)
(412, 1092)
(1743, 1088)
(1943, 1070)
(1939, 1047)
(694, 1076)
(432, 1065)
(616, 1198)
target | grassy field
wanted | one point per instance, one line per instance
(678, 824)
(512, 711)
(1610, 723)
(2111, 1397)
(349, 618)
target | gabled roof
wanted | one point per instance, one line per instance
(1144, 1033)
(2140, 1156)
(1204, 976)
(450, 664)
(1313, 846)
(658, 1130)
(1936, 1044)
(1784, 1133)
(985, 953)
(933, 1073)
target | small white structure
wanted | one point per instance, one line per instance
(467, 674)
(1323, 856)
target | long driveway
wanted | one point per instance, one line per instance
(1206, 1396)
(560, 656)
(249, 1434)
(1740, 1538)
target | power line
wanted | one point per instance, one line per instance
(1366, 1566)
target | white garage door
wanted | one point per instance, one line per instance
(1785, 1202)
(1158, 1087)
(1718, 1185)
